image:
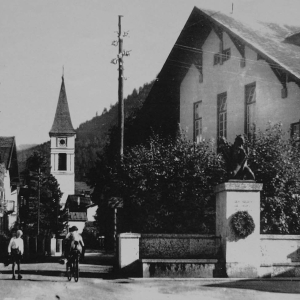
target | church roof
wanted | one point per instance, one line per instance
(62, 123)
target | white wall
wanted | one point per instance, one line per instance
(91, 212)
(230, 77)
(66, 179)
(279, 248)
(78, 224)
(12, 196)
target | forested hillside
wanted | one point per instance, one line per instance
(24, 154)
(93, 135)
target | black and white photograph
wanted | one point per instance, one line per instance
(149, 149)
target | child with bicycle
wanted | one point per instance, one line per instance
(74, 241)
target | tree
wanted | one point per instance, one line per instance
(275, 160)
(167, 186)
(38, 180)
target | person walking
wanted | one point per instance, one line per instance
(15, 251)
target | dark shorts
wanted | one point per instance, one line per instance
(16, 255)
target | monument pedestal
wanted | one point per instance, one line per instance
(241, 255)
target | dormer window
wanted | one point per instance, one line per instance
(217, 59)
(221, 57)
(293, 38)
(226, 54)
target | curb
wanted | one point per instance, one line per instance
(296, 279)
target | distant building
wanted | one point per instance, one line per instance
(78, 208)
(9, 183)
(227, 75)
(62, 139)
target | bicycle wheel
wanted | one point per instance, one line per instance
(69, 271)
(76, 269)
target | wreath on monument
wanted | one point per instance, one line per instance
(242, 224)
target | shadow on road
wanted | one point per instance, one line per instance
(96, 264)
(283, 285)
(56, 273)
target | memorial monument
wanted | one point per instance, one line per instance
(238, 213)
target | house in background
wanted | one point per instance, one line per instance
(9, 183)
(78, 208)
(227, 75)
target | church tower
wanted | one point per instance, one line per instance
(62, 140)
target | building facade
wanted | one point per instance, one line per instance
(227, 75)
(9, 183)
(234, 94)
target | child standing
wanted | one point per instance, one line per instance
(16, 249)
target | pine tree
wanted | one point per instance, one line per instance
(37, 178)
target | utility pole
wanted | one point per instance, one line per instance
(119, 60)
(39, 200)
(120, 91)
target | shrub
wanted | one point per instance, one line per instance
(167, 186)
(275, 158)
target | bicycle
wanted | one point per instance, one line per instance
(72, 266)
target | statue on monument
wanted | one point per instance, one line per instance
(236, 158)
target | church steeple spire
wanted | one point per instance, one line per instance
(62, 123)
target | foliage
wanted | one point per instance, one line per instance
(51, 216)
(275, 158)
(242, 224)
(24, 154)
(167, 186)
(90, 235)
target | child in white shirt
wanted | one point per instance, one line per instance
(16, 250)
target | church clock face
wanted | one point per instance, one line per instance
(62, 142)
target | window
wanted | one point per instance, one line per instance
(295, 130)
(250, 101)
(217, 59)
(197, 122)
(222, 115)
(226, 54)
(62, 162)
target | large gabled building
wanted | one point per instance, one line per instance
(227, 75)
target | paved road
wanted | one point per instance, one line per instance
(46, 280)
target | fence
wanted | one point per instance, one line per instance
(179, 246)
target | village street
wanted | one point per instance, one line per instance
(47, 280)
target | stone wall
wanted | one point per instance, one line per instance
(279, 248)
(179, 246)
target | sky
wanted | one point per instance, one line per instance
(40, 38)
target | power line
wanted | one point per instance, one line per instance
(199, 50)
(223, 71)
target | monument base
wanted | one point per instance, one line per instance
(241, 255)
